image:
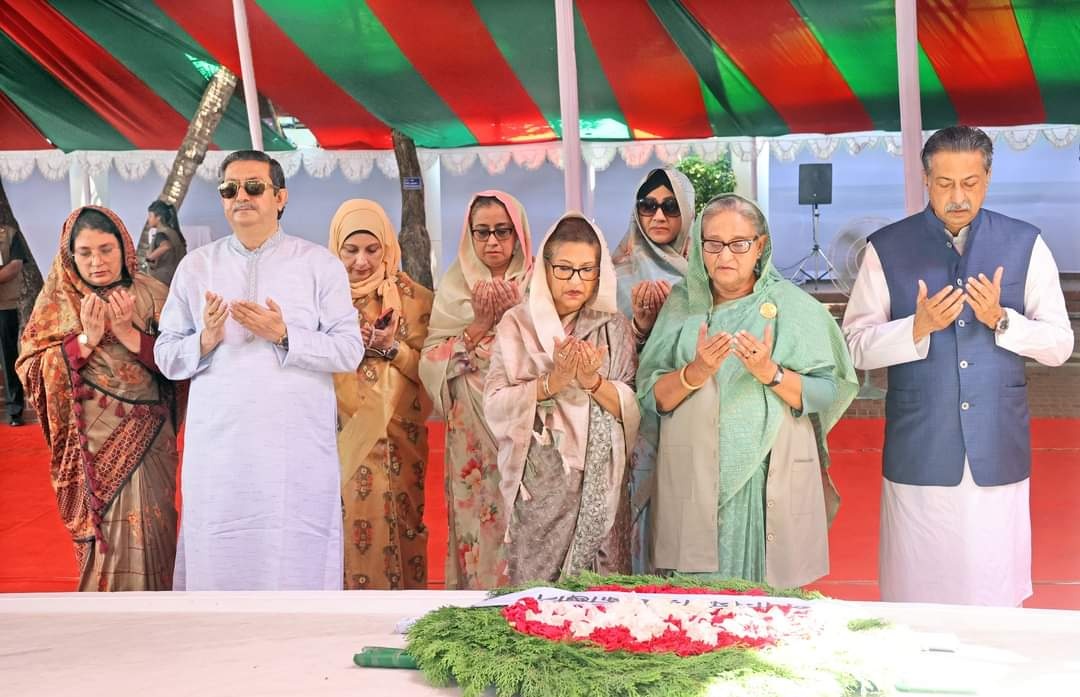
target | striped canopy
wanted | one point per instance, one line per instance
(114, 75)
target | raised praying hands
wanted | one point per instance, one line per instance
(984, 296)
(491, 300)
(566, 358)
(936, 312)
(646, 299)
(264, 322)
(214, 314)
(756, 356)
(589, 361)
(93, 314)
(709, 353)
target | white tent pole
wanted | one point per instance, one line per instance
(247, 73)
(907, 63)
(568, 103)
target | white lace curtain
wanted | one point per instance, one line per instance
(356, 165)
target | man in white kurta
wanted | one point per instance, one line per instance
(259, 321)
(964, 544)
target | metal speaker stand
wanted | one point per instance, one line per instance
(816, 252)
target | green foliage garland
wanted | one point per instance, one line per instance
(476, 649)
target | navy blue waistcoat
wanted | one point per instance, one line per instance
(967, 397)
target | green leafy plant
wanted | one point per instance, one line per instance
(709, 178)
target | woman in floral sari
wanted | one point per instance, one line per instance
(486, 280)
(382, 408)
(559, 400)
(109, 417)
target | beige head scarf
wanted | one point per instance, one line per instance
(359, 214)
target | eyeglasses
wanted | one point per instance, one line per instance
(565, 273)
(648, 206)
(254, 187)
(736, 246)
(501, 233)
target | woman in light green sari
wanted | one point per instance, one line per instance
(744, 375)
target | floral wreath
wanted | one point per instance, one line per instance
(679, 648)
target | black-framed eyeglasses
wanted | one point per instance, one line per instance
(736, 246)
(649, 205)
(565, 273)
(481, 234)
(254, 187)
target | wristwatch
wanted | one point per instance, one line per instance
(1003, 323)
(778, 378)
(84, 340)
(283, 342)
(392, 352)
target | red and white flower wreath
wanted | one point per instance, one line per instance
(647, 625)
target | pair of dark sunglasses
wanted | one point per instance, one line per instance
(254, 187)
(649, 206)
(501, 233)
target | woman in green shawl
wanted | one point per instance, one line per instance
(744, 375)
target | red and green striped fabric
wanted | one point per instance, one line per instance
(118, 75)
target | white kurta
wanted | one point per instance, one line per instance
(964, 544)
(260, 482)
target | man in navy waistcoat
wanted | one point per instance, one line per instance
(952, 300)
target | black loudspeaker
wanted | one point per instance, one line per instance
(815, 184)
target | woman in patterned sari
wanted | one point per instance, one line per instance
(109, 417)
(559, 400)
(382, 408)
(486, 280)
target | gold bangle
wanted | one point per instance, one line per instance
(547, 389)
(686, 383)
(467, 338)
(595, 388)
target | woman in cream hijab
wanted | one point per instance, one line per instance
(382, 409)
(559, 400)
(487, 279)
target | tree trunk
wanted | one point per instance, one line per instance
(31, 274)
(414, 240)
(193, 148)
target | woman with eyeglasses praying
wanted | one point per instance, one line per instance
(109, 416)
(485, 281)
(744, 375)
(560, 403)
(648, 261)
(382, 408)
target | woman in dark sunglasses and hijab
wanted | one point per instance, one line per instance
(648, 262)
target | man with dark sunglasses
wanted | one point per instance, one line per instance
(259, 321)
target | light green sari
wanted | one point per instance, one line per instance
(807, 340)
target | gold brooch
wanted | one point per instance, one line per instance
(768, 310)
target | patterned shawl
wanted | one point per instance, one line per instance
(453, 310)
(57, 392)
(525, 345)
(806, 340)
(638, 258)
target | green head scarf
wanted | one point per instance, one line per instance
(806, 339)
